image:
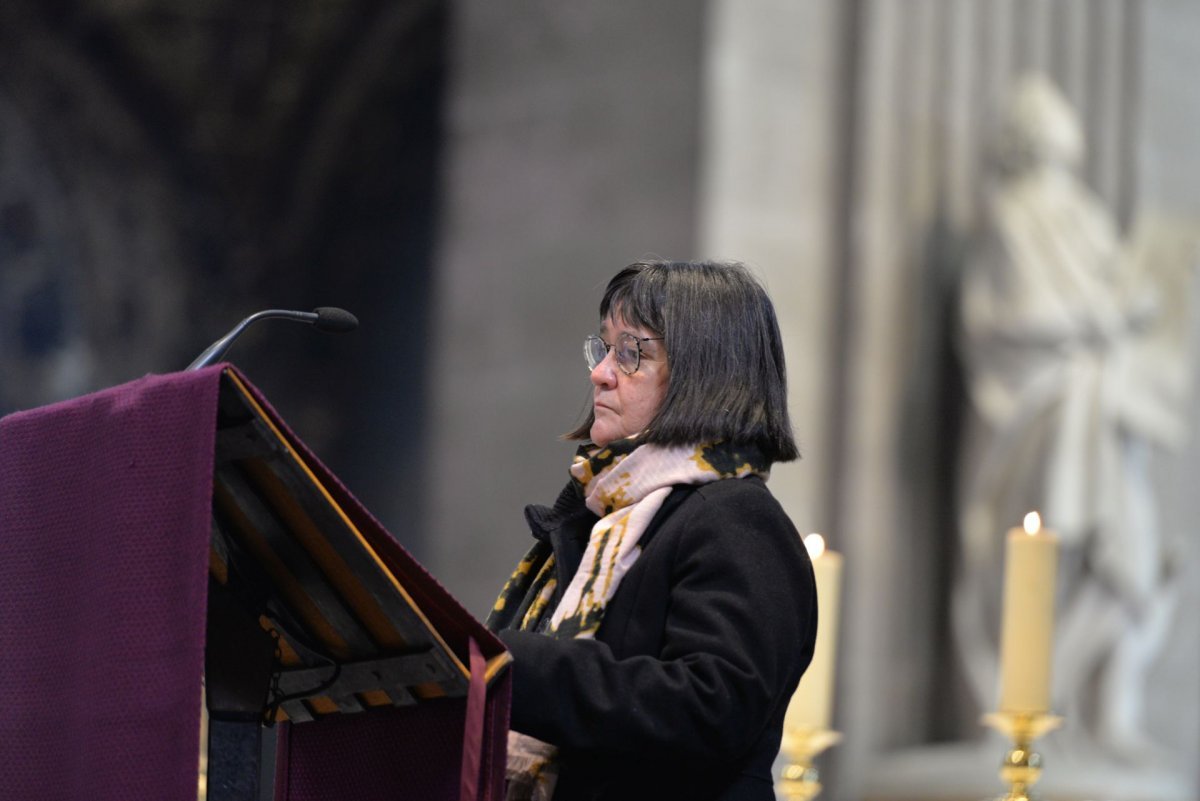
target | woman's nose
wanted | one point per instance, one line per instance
(604, 374)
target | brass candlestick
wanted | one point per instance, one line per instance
(1022, 766)
(800, 780)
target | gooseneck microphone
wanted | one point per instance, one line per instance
(324, 318)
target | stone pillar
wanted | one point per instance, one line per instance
(571, 150)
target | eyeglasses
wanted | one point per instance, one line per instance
(628, 351)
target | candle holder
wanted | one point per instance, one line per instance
(800, 780)
(1022, 766)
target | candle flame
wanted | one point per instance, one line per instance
(1033, 523)
(815, 544)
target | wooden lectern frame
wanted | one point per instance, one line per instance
(306, 618)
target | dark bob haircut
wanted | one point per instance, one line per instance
(727, 379)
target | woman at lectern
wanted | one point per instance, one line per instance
(667, 609)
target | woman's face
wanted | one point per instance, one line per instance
(625, 404)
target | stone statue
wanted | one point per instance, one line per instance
(1077, 361)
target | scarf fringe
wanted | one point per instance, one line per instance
(532, 770)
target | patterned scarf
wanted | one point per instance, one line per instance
(626, 500)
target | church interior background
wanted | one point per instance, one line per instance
(464, 176)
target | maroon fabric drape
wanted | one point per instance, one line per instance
(105, 504)
(105, 507)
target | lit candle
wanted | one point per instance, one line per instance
(811, 707)
(1027, 636)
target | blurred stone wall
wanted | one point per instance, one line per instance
(572, 146)
(168, 168)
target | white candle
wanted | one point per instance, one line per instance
(1027, 636)
(812, 705)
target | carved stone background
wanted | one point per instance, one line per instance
(845, 143)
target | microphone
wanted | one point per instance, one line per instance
(323, 318)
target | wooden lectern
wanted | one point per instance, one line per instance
(174, 528)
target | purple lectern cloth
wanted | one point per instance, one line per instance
(105, 503)
(405, 754)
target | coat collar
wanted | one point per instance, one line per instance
(568, 512)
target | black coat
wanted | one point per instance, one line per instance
(682, 693)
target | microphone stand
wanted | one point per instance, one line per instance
(325, 318)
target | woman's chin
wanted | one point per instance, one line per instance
(601, 435)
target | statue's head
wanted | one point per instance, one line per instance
(1040, 127)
